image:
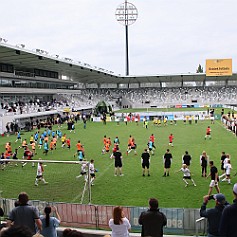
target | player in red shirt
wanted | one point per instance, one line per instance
(152, 139)
(68, 141)
(208, 133)
(171, 138)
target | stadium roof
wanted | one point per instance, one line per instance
(79, 72)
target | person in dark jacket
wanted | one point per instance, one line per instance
(152, 220)
(213, 215)
(229, 218)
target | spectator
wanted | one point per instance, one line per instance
(72, 233)
(152, 220)
(213, 215)
(119, 225)
(49, 224)
(25, 215)
(16, 231)
(229, 218)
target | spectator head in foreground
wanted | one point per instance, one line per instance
(220, 199)
(235, 190)
(16, 231)
(23, 198)
(153, 203)
(72, 233)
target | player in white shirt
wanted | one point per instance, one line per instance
(186, 175)
(225, 163)
(83, 172)
(228, 168)
(92, 171)
(39, 175)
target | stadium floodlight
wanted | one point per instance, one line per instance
(126, 14)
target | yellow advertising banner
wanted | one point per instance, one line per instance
(218, 67)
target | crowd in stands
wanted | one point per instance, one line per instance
(20, 107)
(142, 97)
(130, 97)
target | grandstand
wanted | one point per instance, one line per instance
(32, 81)
(34, 84)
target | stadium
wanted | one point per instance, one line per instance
(41, 92)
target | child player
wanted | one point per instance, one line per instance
(186, 175)
(39, 175)
(171, 138)
(83, 172)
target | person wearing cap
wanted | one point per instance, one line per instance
(229, 218)
(152, 220)
(213, 215)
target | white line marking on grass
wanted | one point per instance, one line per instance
(101, 174)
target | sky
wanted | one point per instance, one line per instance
(169, 36)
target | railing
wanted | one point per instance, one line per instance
(201, 223)
(179, 221)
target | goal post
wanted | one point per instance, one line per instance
(86, 185)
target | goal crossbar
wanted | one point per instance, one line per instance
(45, 161)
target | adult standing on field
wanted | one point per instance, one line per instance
(167, 163)
(186, 159)
(118, 162)
(214, 178)
(145, 159)
(152, 220)
(204, 161)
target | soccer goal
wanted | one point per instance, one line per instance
(50, 180)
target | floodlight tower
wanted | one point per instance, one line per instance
(126, 14)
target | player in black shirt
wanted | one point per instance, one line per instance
(187, 159)
(145, 159)
(167, 162)
(214, 178)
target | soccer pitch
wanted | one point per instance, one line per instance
(132, 189)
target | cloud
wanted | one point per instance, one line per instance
(168, 37)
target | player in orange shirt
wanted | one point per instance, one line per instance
(208, 133)
(9, 148)
(51, 146)
(131, 145)
(54, 142)
(33, 147)
(24, 144)
(107, 147)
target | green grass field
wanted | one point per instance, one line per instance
(132, 189)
